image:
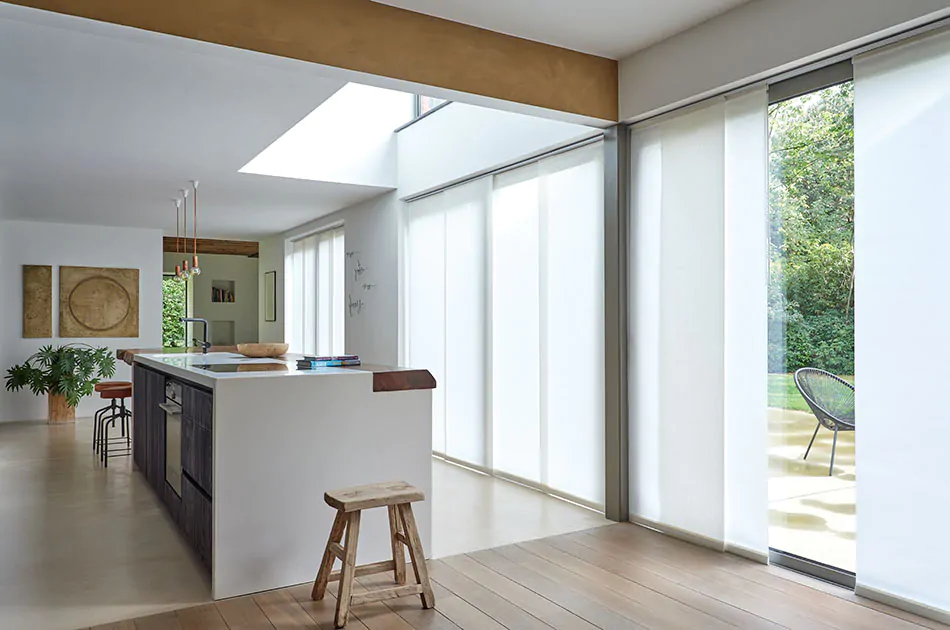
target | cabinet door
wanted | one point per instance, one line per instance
(140, 418)
(156, 432)
(197, 411)
(196, 520)
(196, 453)
(197, 404)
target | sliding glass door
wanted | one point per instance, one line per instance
(504, 303)
(812, 482)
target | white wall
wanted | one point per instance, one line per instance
(460, 140)
(756, 40)
(371, 235)
(29, 243)
(243, 271)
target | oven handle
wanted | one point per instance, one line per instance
(170, 408)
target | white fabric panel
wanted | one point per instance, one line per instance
(746, 321)
(516, 333)
(691, 323)
(902, 131)
(338, 313)
(646, 180)
(466, 345)
(573, 210)
(425, 301)
(699, 182)
(315, 306)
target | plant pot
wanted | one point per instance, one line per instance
(60, 410)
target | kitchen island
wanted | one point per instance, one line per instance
(243, 460)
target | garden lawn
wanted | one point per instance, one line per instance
(784, 395)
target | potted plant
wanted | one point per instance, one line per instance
(65, 374)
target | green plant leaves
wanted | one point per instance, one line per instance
(71, 370)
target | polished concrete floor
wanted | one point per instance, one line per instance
(81, 546)
(811, 514)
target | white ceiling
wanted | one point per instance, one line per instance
(103, 125)
(608, 28)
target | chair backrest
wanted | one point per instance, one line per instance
(830, 397)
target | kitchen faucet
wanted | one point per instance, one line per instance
(204, 344)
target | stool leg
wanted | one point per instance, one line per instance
(399, 554)
(348, 573)
(326, 565)
(122, 411)
(416, 554)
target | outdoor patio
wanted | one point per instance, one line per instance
(811, 514)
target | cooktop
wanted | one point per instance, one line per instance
(243, 367)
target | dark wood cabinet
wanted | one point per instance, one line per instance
(191, 510)
(196, 519)
(197, 404)
(196, 445)
(140, 418)
(155, 429)
(148, 426)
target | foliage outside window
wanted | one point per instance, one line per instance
(425, 104)
(174, 307)
(811, 234)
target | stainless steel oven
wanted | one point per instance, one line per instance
(172, 409)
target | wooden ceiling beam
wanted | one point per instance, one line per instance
(251, 249)
(373, 38)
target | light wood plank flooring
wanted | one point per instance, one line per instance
(82, 545)
(618, 577)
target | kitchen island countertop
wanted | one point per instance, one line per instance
(185, 362)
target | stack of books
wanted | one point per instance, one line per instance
(311, 363)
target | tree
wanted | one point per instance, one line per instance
(173, 308)
(811, 237)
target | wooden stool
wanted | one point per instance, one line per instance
(398, 497)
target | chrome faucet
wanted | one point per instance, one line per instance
(204, 343)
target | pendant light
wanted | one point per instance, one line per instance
(185, 270)
(195, 269)
(178, 276)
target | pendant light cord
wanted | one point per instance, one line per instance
(194, 224)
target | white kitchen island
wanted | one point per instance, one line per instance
(279, 439)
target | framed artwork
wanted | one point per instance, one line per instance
(98, 302)
(37, 301)
(270, 296)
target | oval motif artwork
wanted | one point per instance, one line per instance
(99, 303)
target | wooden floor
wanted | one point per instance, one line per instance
(615, 577)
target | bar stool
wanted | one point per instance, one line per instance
(397, 497)
(111, 408)
(116, 411)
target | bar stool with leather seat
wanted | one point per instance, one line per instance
(116, 411)
(111, 409)
(397, 497)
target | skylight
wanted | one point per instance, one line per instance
(347, 139)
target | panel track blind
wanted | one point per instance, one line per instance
(505, 306)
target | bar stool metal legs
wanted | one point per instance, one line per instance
(106, 418)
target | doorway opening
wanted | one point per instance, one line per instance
(812, 482)
(174, 307)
